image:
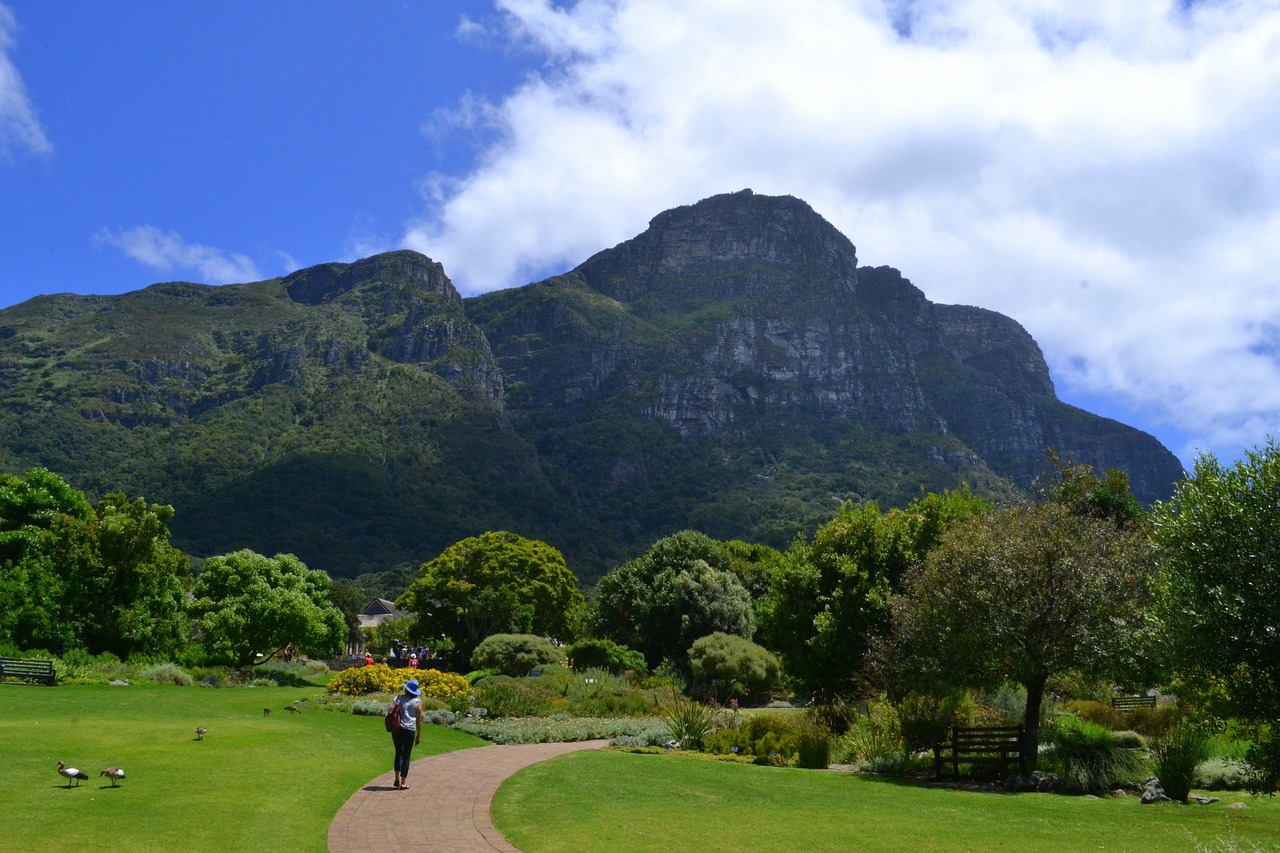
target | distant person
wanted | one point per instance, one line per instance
(409, 733)
(368, 658)
(413, 661)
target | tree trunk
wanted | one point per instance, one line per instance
(1031, 724)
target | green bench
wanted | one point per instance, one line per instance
(28, 669)
(1128, 703)
(983, 746)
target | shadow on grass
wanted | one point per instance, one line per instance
(980, 786)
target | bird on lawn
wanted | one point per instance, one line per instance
(72, 773)
(293, 709)
(115, 774)
(200, 730)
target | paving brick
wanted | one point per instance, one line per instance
(446, 807)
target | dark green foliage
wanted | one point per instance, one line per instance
(505, 696)
(927, 719)
(813, 750)
(103, 578)
(1018, 595)
(681, 589)
(494, 583)
(1177, 753)
(829, 597)
(734, 665)
(1220, 605)
(515, 654)
(595, 653)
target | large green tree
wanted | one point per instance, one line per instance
(495, 583)
(102, 578)
(829, 597)
(1219, 539)
(249, 605)
(1022, 594)
(683, 588)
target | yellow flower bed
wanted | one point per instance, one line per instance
(380, 678)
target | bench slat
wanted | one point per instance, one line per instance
(38, 669)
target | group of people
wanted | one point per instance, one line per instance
(403, 656)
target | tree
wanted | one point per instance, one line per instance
(494, 583)
(1019, 595)
(250, 605)
(102, 578)
(829, 597)
(681, 589)
(1219, 540)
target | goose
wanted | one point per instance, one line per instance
(72, 773)
(115, 774)
(293, 709)
(200, 730)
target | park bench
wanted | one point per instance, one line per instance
(28, 669)
(987, 746)
(1128, 703)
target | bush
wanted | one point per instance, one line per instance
(1089, 759)
(370, 707)
(1098, 713)
(363, 680)
(504, 696)
(875, 735)
(735, 662)
(515, 654)
(167, 673)
(605, 654)
(927, 720)
(813, 752)
(1177, 754)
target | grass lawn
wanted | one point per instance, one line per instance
(254, 783)
(618, 802)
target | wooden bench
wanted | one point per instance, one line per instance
(991, 746)
(29, 669)
(1128, 703)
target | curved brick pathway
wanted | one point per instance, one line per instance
(445, 810)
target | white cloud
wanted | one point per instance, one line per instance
(168, 252)
(999, 153)
(19, 126)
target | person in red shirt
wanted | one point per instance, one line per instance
(368, 659)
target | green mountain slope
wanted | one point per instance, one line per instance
(731, 369)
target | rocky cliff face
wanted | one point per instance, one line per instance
(732, 369)
(745, 315)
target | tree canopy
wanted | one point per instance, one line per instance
(1219, 540)
(1021, 594)
(495, 583)
(829, 597)
(250, 605)
(684, 587)
(102, 578)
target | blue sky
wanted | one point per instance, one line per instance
(1106, 172)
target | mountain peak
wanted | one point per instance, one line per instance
(325, 282)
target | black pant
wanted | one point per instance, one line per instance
(403, 739)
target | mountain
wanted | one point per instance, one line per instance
(731, 369)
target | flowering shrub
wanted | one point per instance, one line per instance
(380, 678)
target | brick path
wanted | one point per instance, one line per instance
(445, 809)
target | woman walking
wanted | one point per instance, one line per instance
(408, 708)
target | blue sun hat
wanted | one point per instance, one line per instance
(411, 687)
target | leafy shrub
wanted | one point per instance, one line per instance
(1262, 762)
(439, 717)
(875, 735)
(476, 674)
(1151, 722)
(504, 696)
(515, 654)
(167, 673)
(652, 733)
(689, 722)
(605, 654)
(596, 693)
(736, 662)
(1177, 753)
(927, 720)
(813, 751)
(1089, 759)
(1222, 774)
(1009, 704)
